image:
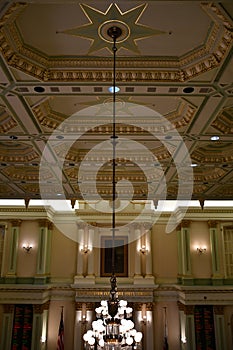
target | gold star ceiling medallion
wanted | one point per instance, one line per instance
(100, 22)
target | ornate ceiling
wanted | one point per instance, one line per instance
(175, 73)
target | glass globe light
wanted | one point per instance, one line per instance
(129, 340)
(138, 337)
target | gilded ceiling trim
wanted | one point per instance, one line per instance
(12, 13)
(51, 119)
(223, 122)
(23, 209)
(47, 117)
(6, 121)
(210, 175)
(201, 156)
(78, 156)
(7, 156)
(21, 174)
(40, 67)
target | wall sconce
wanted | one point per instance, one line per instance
(27, 247)
(143, 249)
(43, 339)
(84, 313)
(85, 249)
(144, 314)
(183, 340)
(201, 250)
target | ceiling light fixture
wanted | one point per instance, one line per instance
(215, 138)
(112, 89)
(114, 328)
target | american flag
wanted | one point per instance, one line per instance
(60, 339)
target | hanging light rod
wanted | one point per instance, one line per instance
(114, 328)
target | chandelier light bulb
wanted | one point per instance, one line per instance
(138, 337)
(129, 340)
(91, 341)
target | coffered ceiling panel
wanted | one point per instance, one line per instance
(174, 107)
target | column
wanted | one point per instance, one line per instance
(7, 325)
(14, 239)
(44, 252)
(40, 326)
(219, 325)
(89, 231)
(80, 272)
(79, 264)
(149, 326)
(135, 230)
(180, 260)
(185, 270)
(217, 278)
(149, 276)
(85, 255)
(3, 228)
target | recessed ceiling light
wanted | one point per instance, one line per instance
(111, 89)
(188, 90)
(215, 138)
(39, 89)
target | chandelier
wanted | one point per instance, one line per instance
(113, 328)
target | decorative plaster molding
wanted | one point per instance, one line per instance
(192, 64)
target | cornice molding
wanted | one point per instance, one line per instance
(142, 69)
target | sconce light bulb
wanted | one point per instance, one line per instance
(27, 247)
(201, 250)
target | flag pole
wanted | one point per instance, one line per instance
(60, 339)
(165, 344)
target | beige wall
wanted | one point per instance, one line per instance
(164, 252)
(63, 257)
(199, 236)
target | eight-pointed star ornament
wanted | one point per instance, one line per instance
(99, 23)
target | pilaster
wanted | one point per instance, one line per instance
(217, 278)
(7, 326)
(14, 241)
(40, 326)
(219, 326)
(44, 252)
(184, 263)
(187, 326)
